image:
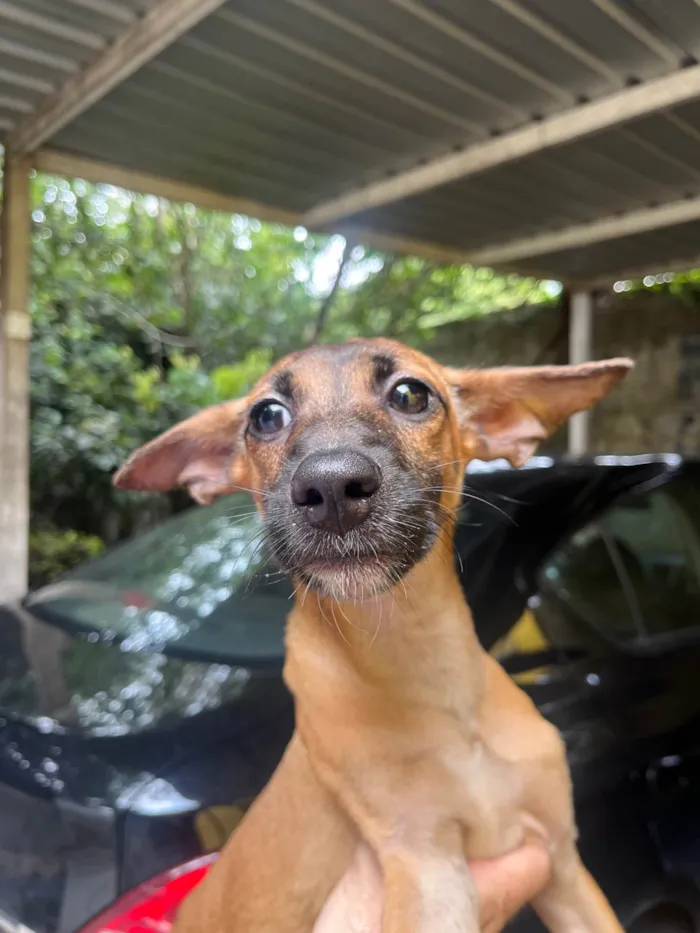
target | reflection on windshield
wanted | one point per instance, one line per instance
(191, 564)
(202, 582)
(211, 570)
(184, 619)
(134, 697)
(112, 693)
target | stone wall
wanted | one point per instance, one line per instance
(657, 408)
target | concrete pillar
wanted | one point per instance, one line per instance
(15, 332)
(580, 351)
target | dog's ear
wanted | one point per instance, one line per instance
(203, 455)
(507, 412)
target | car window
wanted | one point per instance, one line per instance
(201, 584)
(635, 572)
(583, 577)
(661, 534)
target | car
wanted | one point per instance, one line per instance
(142, 707)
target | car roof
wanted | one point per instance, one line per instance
(592, 461)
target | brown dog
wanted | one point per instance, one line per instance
(409, 736)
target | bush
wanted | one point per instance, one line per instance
(53, 552)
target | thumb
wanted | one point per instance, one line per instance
(504, 885)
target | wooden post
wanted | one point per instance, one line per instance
(580, 350)
(15, 332)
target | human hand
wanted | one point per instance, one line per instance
(504, 885)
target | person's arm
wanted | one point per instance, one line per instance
(504, 885)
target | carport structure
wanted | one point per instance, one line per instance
(556, 138)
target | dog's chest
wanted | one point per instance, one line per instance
(485, 795)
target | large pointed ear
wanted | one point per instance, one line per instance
(203, 455)
(507, 412)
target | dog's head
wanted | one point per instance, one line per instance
(355, 453)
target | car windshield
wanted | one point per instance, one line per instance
(200, 585)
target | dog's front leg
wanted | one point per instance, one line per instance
(572, 902)
(428, 886)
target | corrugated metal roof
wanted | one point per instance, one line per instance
(44, 41)
(292, 103)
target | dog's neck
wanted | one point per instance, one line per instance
(416, 641)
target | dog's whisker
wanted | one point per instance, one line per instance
(439, 466)
(473, 497)
(338, 628)
(225, 484)
(349, 621)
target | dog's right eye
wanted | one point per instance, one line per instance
(270, 418)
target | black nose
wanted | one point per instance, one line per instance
(335, 489)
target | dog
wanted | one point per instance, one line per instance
(410, 738)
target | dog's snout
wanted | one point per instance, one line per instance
(335, 489)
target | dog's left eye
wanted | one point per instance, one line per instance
(270, 418)
(410, 397)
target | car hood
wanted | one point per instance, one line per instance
(81, 683)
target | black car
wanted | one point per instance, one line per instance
(142, 707)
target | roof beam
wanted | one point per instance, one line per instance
(597, 231)
(564, 127)
(62, 163)
(93, 170)
(134, 47)
(655, 268)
